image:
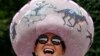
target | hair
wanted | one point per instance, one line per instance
(33, 54)
(63, 45)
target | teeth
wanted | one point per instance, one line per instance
(48, 50)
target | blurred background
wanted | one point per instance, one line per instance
(8, 8)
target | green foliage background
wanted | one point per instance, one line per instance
(8, 8)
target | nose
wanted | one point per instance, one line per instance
(49, 42)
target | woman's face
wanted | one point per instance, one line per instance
(49, 44)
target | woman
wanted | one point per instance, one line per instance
(49, 44)
(70, 23)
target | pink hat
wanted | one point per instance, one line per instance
(61, 17)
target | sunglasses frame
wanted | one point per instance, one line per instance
(53, 42)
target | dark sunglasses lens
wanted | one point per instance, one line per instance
(42, 39)
(56, 41)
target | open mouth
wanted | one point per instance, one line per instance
(48, 51)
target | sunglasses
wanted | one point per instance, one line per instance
(43, 39)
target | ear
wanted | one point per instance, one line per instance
(34, 48)
(34, 53)
(63, 52)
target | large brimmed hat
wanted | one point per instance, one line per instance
(61, 17)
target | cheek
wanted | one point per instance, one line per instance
(59, 50)
(38, 48)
